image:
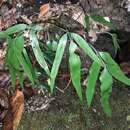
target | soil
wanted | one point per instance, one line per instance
(66, 112)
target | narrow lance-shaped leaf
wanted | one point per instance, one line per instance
(38, 53)
(21, 78)
(18, 44)
(86, 22)
(25, 54)
(13, 29)
(75, 69)
(57, 60)
(25, 66)
(91, 81)
(102, 20)
(114, 68)
(11, 59)
(12, 72)
(86, 48)
(18, 48)
(37, 28)
(16, 28)
(115, 42)
(72, 47)
(9, 49)
(106, 89)
(3, 34)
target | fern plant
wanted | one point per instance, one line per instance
(103, 66)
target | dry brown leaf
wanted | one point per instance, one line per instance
(3, 104)
(15, 111)
(1, 2)
(78, 15)
(44, 9)
(8, 19)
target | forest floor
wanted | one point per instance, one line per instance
(67, 113)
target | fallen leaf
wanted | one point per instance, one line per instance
(8, 19)
(15, 111)
(78, 15)
(44, 9)
(1, 2)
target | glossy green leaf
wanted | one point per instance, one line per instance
(114, 68)
(72, 47)
(115, 43)
(18, 49)
(26, 67)
(13, 29)
(54, 45)
(86, 22)
(21, 78)
(106, 89)
(102, 20)
(3, 34)
(16, 28)
(11, 58)
(57, 60)
(75, 72)
(9, 49)
(15, 59)
(91, 81)
(38, 53)
(75, 68)
(37, 28)
(25, 54)
(85, 47)
(12, 72)
(18, 44)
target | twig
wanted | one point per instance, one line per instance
(67, 85)
(26, 20)
(60, 90)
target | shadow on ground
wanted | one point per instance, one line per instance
(67, 113)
